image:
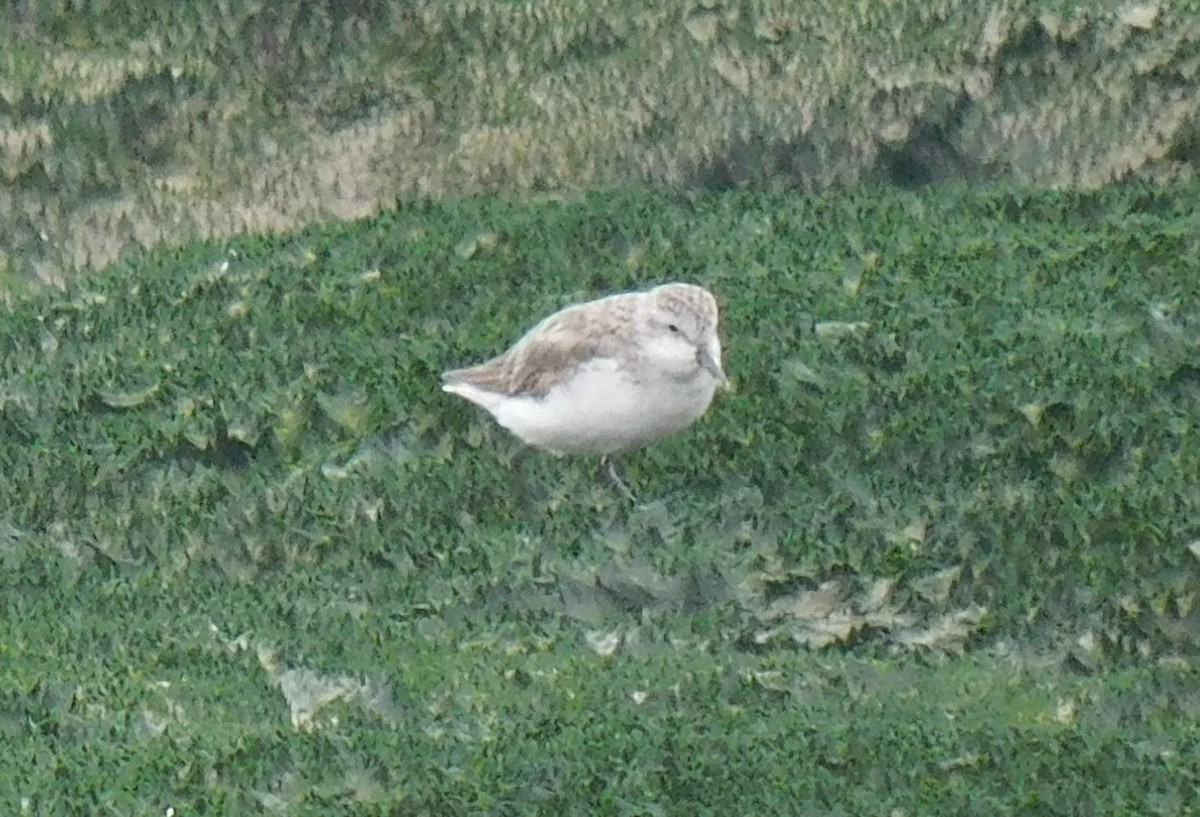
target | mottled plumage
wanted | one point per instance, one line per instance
(550, 351)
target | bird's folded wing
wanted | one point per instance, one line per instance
(547, 355)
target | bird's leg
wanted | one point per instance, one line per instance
(610, 468)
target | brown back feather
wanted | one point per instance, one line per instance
(538, 361)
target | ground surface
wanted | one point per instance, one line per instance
(936, 554)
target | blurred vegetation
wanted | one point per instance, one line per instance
(938, 553)
(124, 124)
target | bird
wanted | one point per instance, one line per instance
(605, 376)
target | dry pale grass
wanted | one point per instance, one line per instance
(214, 121)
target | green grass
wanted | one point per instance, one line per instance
(228, 464)
(508, 717)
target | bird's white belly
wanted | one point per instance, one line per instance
(602, 409)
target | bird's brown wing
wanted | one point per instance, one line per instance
(543, 358)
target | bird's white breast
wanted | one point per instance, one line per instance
(602, 408)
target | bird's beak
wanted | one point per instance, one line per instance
(710, 359)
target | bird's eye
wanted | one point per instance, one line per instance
(672, 327)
